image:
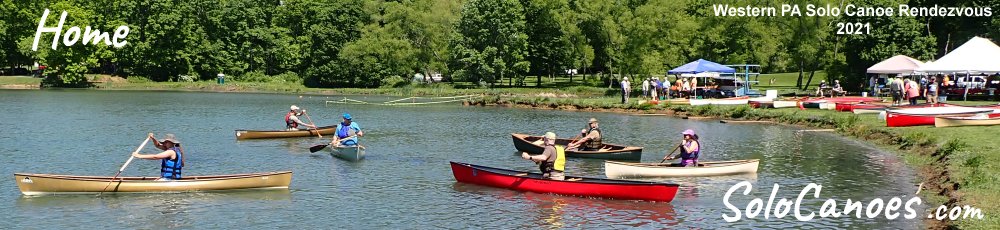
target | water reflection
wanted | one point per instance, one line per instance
(556, 211)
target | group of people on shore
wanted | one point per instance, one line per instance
(656, 89)
(172, 155)
(835, 90)
(552, 161)
(907, 91)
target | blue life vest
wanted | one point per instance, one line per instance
(172, 168)
(344, 131)
(693, 155)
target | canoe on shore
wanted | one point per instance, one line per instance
(925, 116)
(349, 153)
(784, 104)
(615, 169)
(573, 186)
(992, 119)
(259, 134)
(40, 184)
(527, 143)
(724, 101)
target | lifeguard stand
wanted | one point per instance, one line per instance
(741, 79)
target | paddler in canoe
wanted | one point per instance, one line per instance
(348, 132)
(292, 121)
(171, 159)
(690, 149)
(590, 138)
(552, 161)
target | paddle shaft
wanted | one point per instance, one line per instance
(314, 125)
(131, 156)
(670, 154)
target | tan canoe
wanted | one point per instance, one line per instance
(615, 169)
(965, 121)
(40, 184)
(258, 134)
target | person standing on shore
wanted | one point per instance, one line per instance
(645, 88)
(912, 91)
(552, 161)
(931, 92)
(626, 89)
(896, 89)
(653, 85)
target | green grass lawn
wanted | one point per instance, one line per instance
(19, 80)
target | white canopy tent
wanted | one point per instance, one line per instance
(978, 55)
(899, 64)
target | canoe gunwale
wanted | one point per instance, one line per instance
(709, 164)
(151, 179)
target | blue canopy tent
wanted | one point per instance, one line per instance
(700, 66)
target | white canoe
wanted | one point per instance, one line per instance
(979, 120)
(873, 110)
(740, 101)
(785, 104)
(350, 153)
(616, 169)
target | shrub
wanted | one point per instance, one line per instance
(394, 81)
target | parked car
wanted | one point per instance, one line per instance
(970, 82)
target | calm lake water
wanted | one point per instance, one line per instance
(406, 181)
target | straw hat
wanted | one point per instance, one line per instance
(171, 138)
(592, 120)
(550, 135)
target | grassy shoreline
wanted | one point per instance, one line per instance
(955, 164)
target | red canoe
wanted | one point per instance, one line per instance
(585, 187)
(925, 116)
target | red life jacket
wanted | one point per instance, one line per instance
(289, 123)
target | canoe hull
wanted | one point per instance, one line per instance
(526, 143)
(40, 184)
(992, 119)
(613, 169)
(258, 134)
(926, 115)
(785, 104)
(349, 153)
(586, 187)
(730, 101)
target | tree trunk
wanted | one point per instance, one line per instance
(798, 83)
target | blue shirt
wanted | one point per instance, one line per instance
(342, 133)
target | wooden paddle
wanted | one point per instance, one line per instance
(313, 124)
(317, 148)
(670, 154)
(125, 165)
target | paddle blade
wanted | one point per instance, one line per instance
(317, 148)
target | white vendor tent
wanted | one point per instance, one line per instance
(899, 64)
(978, 55)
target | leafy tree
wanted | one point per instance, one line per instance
(489, 42)
(548, 46)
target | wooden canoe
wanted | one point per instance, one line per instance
(40, 184)
(615, 169)
(259, 134)
(527, 143)
(349, 153)
(573, 186)
(992, 119)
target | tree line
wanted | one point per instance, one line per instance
(361, 43)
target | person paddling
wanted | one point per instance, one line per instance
(171, 159)
(552, 160)
(292, 121)
(590, 139)
(347, 132)
(690, 149)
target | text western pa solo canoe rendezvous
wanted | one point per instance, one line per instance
(74, 33)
